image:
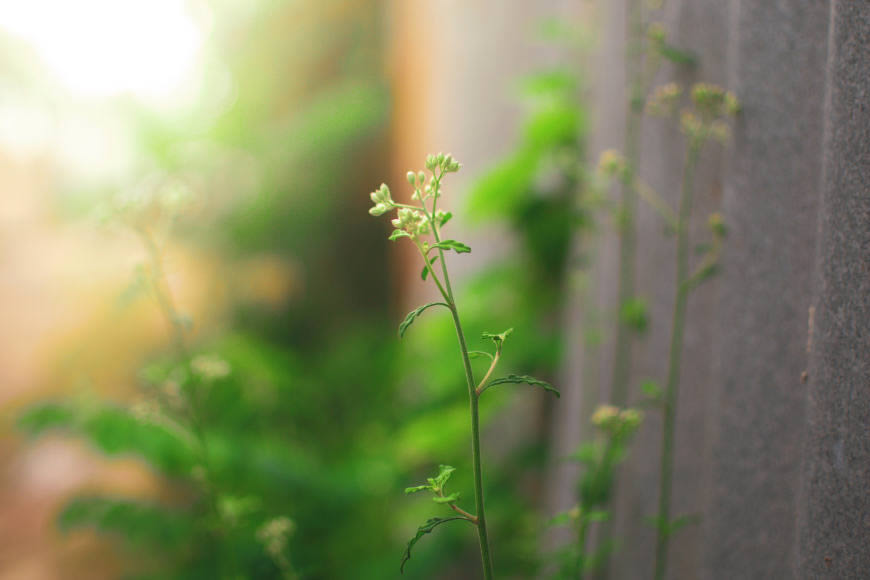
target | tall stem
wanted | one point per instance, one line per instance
(628, 204)
(674, 358)
(483, 537)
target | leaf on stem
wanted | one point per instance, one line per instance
(424, 273)
(499, 338)
(409, 319)
(457, 247)
(452, 498)
(426, 528)
(399, 234)
(523, 379)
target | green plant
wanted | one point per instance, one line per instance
(215, 529)
(415, 222)
(703, 121)
(600, 458)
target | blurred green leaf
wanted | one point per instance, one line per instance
(426, 528)
(458, 247)
(412, 316)
(136, 522)
(523, 379)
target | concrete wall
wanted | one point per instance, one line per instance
(776, 462)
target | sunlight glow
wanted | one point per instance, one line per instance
(102, 48)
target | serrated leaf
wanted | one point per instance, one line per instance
(424, 273)
(523, 379)
(452, 498)
(417, 488)
(444, 473)
(409, 319)
(426, 528)
(457, 247)
(399, 234)
(499, 338)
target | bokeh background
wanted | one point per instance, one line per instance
(237, 142)
(244, 137)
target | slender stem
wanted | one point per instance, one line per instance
(628, 205)
(482, 535)
(164, 299)
(674, 358)
(582, 535)
(480, 386)
(627, 233)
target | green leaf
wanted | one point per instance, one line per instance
(409, 319)
(550, 83)
(444, 218)
(444, 473)
(399, 234)
(452, 498)
(499, 338)
(635, 314)
(479, 354)
(115, 431)
(424, 273)
(677, 55)
(417, 488)
(137, 522)
(458, 247)
(558, 125)
(597, 516)
(523, 379)
(426, 528)
(651, 389)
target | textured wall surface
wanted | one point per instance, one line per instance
(835, 500)
(773, 434)
(756, 415)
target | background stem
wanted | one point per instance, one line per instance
(674, 358)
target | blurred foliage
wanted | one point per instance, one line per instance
(322, 419)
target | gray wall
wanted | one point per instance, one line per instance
(776, 462)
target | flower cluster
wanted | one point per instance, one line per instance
(412, 222)
(614, 421)
(382, 200)
(274, 534)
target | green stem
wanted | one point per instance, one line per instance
(163, 295)
(666, 471)
(628, 205)
(582, 535)
(447, 291)
(627, 232)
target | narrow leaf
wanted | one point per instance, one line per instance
(426, 528)
(409, 319)
(479, 354)
(452, 498)
(457, 247)
(425, 272)
(399, 234)
(523, 379)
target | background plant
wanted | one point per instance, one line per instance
(702, 122)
